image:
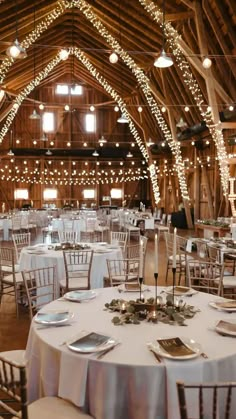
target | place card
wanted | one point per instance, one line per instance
(226, 304)
(226, 326)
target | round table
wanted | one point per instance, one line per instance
(128, 382)
(33, 259)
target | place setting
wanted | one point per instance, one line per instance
(91, 343)
(53, 318)
(175, 348)
(79, 296)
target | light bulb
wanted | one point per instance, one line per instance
(206, 62)
(113, 58)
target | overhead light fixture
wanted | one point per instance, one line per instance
(35, 115)
(95, 153)
(150, 142)
(163, 60)
(16, 50)
(181, 123)
(102, 140)
(10, 153)
(44, 137)
(122, 119)
(113, 58)
(129, 155)
(48, 153)
(206, 62)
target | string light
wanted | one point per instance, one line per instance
(188, 78)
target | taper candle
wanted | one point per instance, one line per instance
(174, 249)
(156, 255)
(141, 259)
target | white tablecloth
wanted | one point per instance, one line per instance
(31, 260)
(79, 224)
(5, 224)
(128, 382)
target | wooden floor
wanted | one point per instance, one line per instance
(14, 332)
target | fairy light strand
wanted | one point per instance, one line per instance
(138, 73)
(215, 130)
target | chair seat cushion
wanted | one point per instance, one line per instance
(7, 268)
(55, 408)
(10, 280)
(75, 283)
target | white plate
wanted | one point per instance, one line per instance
(223, 327)
(91, 347)
(137, 289)
(80, 295)
(179, 290)
(53, 317)
(194, 347)
(217, 305)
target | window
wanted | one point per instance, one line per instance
(62, 89)
(89, 193)
(76, 90)
(49, 194)
(116, 193)
(21, 194)
(90, 122)
(48, 122)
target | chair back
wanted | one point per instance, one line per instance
(205, 276)
(78, 268)
(120, 238)
(206, 400)
(67, 224)
(169, 241)
(13, 385)
(20, 241)
(7, 261)
(68, 236)
(122, 271)
(40, 285)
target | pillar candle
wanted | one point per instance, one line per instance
(156, 255)
(174, 249)
(141, 260)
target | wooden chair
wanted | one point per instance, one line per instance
(121, 271)
(120, 238)
(11, 282)
(205, 276)
(68, 236)
(78, 268)
(20, 241)
(206, 400)
(13, 386)
(40, 286)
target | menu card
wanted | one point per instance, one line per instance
(227, 326)
(133, 287)
(175, 347)
(90, 342)
(226, 304)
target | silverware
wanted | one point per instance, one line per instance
(52, 326)
(102, 353)
(203, 355)
(156, 356)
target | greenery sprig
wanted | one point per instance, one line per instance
(136, 311)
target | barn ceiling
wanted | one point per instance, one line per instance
(199, 28)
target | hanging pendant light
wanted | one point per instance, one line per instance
(48, 153)
(35, 115)
(10, 153)
(122, 119)
(15, 50)
(95, 153)
(163, 60)
(181, 123)
(102, 140)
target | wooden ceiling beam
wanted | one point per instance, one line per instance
(173, 17)
(188, 3)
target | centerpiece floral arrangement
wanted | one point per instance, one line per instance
(170, 312)
(214, 223)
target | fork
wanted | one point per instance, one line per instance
(203, 355)
(156, 356)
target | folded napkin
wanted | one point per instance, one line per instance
(226, 304)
